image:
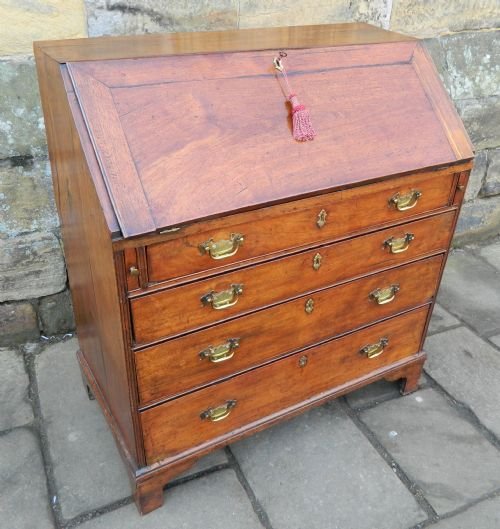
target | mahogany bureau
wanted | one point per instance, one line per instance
(225, 276)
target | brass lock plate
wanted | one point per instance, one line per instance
(309, 306)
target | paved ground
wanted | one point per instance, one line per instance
(373, 460)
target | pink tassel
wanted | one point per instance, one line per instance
(301, 120)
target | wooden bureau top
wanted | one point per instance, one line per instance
(182, 132)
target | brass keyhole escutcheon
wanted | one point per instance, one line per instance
(133, 271)
(309, 307)
(321, 221)
(303, 361)
(317, 261)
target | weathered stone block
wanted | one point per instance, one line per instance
(435, 48)
(18, 323)
(24, 21)
(22, 130)
(492, 182)
(155, 16)
(26, 199)
(482, 120)
(263, 13)
(477, 175)
(15, 409)
(32, 266)
(478, 218)
(428, 18)
(473, 61)
(56, 314)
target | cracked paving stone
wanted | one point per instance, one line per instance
(468, 291)
(23, 491)
(319, 470)
(468, 368)
(15, 409)
(214, 501)
(437, 448)
(88, 470)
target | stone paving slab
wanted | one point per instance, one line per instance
(469, 290)
(438, 449)
(15, 408)
(88, 470)
(496, 340)
(318, 471)
(216, 501)
(492, 254)
(23, 492)
(468, 368)
(441, 320)
(485, 515)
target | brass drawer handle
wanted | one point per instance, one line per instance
(219, 412)
(222, 352)
(374, 349)
(224, 248)
(224, 299)
(384, 295)
(402, 202)
(399, 244)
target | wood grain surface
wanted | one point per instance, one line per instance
(179, 310)
(156, 122)
(176, 426)
(295, 224)
(175, 366)
(134, 46)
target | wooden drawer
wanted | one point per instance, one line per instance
(158, 315)
(176, 366)
(295, 224)
(177, 425)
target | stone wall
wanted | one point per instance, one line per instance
(463, 36)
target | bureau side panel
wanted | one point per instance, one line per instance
(89, 256)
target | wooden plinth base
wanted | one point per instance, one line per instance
(148, 482)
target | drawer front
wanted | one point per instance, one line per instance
(209, 246)
(176, 366)
(178, 425)
(180, 309)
